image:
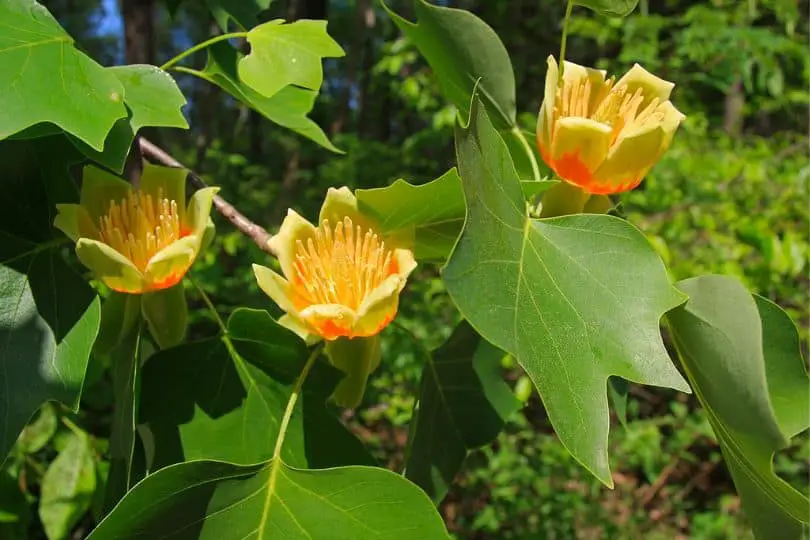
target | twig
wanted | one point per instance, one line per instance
(256, 232)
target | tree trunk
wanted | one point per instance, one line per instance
(365, 19)
(734, 108)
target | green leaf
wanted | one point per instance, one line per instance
(288, 107)
(44, 78)
(210, 500)
(729, 346)
(49, 316)
(224, 398)
(243, 12)
(287, 54)
(37, 434)
(67, 488)
(463, 404)
(611, 8)
(618, 389)
(125, 373)
(463, 50)
(152, 96)
(434, 211)
(116, 146)
(574, 299)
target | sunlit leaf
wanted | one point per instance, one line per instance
(615, 8)
(742, 359)
(152, 96)
(463, 50)
(44, 78)
(49, 316)
(287, 54)
(224, 398)
(211, 500)
(67, 488)
(575, 299)
(463, 404)
(288, 107)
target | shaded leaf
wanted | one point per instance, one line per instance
(223, 398)
(287, 54)
(214, 500)
(462, 49)
(49, 316)
(616, 8)
(37, 434)
(243, 12)
(44, 78)
(463, 404)
(116, 146)
(152, 96)
(288, 107)
(618, 389)
(67, 488)
(574, 299)
(719, 338)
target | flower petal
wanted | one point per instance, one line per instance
(99, 189)
(293, 228)
(357, 358)
(629, 160)
(115, 270)
(301, 328)
(579, 146)
(199, 210)
(546, 115)
(379, 308)
(170, 264)
(341, 203)
(75, 222)
(651, 85)
(170, 181)
(276, 287)
(330, 321)
(406, 263)
(672, 119)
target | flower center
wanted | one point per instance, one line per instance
(140, 226)
(614, 106)
(341, 265)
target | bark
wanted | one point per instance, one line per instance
(734, 108)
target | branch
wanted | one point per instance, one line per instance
(256, 232)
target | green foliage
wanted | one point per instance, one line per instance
(619, 8)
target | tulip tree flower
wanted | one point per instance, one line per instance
(140, 242)
(603, 135)
(341, 284)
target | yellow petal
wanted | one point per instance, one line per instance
(406, 263)
(99, 189)
(199, 210)
(301, 328)
(672, 119)
(341, 203)
(170, 181)
(168, 266)
(75, 222)
(545, 118)
(115, 270)
(379, 308)
(582, 138)
(293, 228)
(651, 85)
(275, 286)
(629, 160)
(330, 321)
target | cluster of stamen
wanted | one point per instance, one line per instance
(140, 226)
(341, 265)
(611, 105)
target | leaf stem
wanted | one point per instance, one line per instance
(564, 40)
(201, 46)
(529, 153)
(299, 383)
(210, 305)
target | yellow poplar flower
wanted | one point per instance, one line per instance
(603, 135)
(137, 240)
(341, 279)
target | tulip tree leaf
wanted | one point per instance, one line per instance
(211, 500)
(223, 398)
(434, 210)
(287, 54)
(288, 107)
(116, 146)
(67, 487)
(463, 404)
(152, 96)
(464, 51)
(49, 316)
(574, 299)
(611, 8)
(742, 359)
(44, 78)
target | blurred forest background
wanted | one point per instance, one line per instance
(730, 196)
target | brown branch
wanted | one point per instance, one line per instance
(256, 232)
